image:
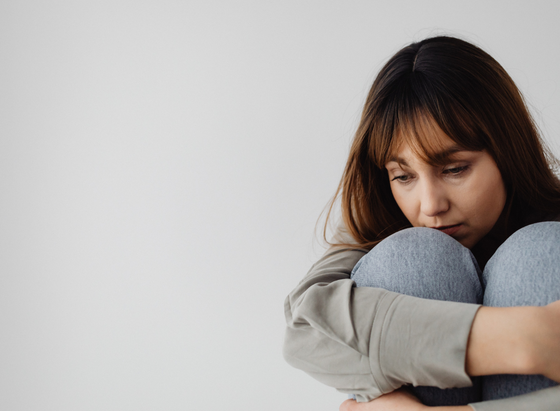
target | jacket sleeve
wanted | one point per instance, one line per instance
(369, 341)
(543, 400)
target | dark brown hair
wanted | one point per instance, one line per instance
(475, 102)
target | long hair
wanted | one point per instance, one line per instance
(475, 102)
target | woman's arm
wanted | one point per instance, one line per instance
(368, 341)
(515, 340)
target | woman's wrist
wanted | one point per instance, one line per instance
(547, 342)
(505, 340)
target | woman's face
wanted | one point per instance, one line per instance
(464, 198)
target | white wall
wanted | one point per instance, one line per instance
(162, 166)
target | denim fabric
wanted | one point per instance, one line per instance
(525, 270)
(426, 263)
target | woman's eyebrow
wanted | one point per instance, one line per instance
(448, 152)
(398, 160)
(439, 155)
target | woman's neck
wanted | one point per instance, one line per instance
(487, 246)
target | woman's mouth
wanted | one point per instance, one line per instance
(449, 229)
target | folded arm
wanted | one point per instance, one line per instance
(369, 341)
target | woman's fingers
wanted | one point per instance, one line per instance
(348, 405)
(400, 400)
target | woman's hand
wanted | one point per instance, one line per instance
(400, 400)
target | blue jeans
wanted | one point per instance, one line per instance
(423, 262)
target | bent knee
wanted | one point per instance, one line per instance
(421, 262)
(525, 270)
(546, 232)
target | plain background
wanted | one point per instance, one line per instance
(162, 167)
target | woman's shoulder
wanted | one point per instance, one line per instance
(342, 240)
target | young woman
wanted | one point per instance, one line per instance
(450, 232)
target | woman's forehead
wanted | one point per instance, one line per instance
(406, 152)
(425, 140)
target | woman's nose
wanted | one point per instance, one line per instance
(434, 200)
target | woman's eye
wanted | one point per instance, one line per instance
(455, 170)
(403, 179)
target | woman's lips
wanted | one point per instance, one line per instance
(449, 229)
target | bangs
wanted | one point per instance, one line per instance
(424, 137)
(415, 114)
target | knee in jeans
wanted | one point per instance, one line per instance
(529, 247)
(419, 246)
(422, 262)
(540, 233)
(525, 270)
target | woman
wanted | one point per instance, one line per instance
(445, 145)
